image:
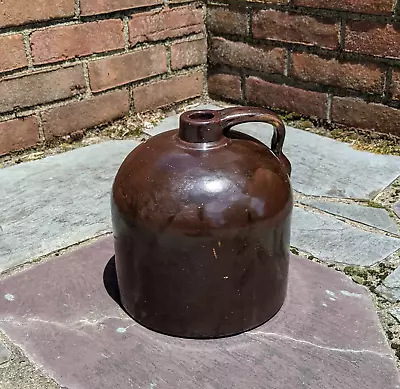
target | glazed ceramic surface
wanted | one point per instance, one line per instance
(201, 218)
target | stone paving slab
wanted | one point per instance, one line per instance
(396, 208)
(374, 217)
(330, 239)
(4, 354)
(321, 166)
(327, 335)
(58, 201)
(390, 288)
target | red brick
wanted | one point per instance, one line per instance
(166, 92)
(285, 27)
(188, 53)
(12, 52)
(96, 7)
(362, 77)
(396, 84)
(159, 25)
(18, 134)
(17, 12)
(241, 55)
(64, 42)
(79, 115)
(227, 86)
(122, 69)
(358, 113)
(366, 37)
(40, 88)
(227, 20)
(286, 98)
(363, 6)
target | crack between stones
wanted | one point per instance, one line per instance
(259, 335)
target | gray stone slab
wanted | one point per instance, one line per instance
(335, 241)
(327, 335)
(396, 208)
(395, 312)
(374, 217)
(4, 354)
(322, 166)
(390, 287)
(52, 203)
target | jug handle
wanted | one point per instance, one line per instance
(230, 117)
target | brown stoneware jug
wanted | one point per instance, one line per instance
(201, 219)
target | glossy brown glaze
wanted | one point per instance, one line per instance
(201, 219)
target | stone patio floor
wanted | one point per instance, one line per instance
(62, 314)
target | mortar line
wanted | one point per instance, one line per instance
(387, 85)
(28, 51)
(168, 53)
(77, 9)
(329, 108)
(131, 100)
(243, 88)
(342, 34)
(125, 21)
(288, 62)
(396, 7)
(42, 137)
(85, 66)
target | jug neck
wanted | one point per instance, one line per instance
(200, 126)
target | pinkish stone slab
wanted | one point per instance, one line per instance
(327, 335)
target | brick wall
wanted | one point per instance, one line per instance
(67, 65)
(337, 60)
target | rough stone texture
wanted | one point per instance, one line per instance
(241, 55)
(285, 27)
(18, 134)
(267, 94)
(188, 53)
(60, 314)
(12, 52)
(364, 6)
(332, 240)
(372, 38)
(24, 11)
(323, 166)
(349, 75)
(390, 288)
(4, 353)
(78, 115)
(228, 86)
(227, 21)
(375, 217)
(58, 201)
(165, 92)
(122, 69)
(41, 88)
(358, 113)
(64, 42)
(95, 7)
(160, 25)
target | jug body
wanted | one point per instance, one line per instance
(201, 221)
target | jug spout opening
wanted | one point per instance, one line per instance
(200, 126)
